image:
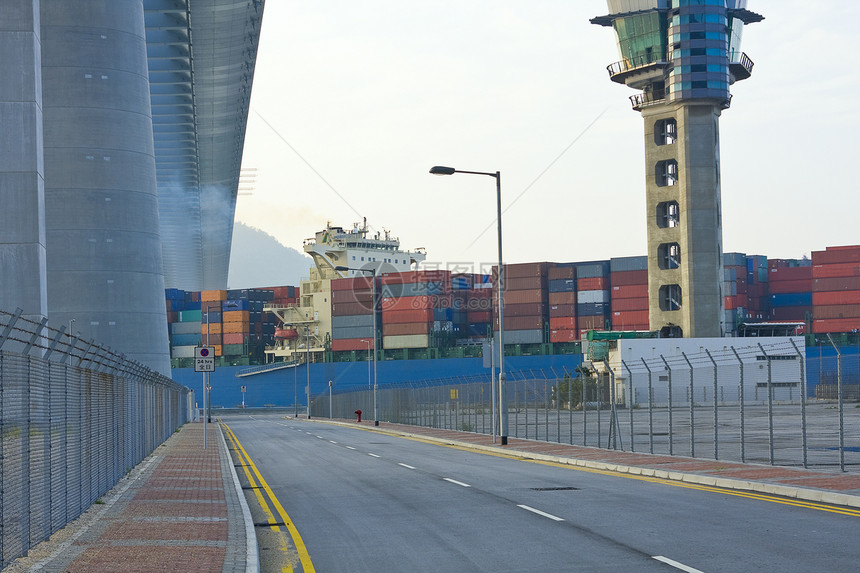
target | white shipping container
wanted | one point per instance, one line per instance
(182, 351)
(592, 296)
(406, 341)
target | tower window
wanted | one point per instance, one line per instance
(668, 214)
(667, 173)
(669, 256)
(670, 297)
(665, 131)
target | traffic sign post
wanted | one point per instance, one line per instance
(243, 395)
(204, 361)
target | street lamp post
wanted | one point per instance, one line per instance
(308, 365)
(368, 362)
(503, 406)
(375, 306)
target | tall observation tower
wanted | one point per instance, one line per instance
(682, 55)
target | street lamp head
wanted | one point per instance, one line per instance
(341, 268)
(440, 170)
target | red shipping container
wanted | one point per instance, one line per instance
(411, 303)
(524, 283)
(837, 255)
(786, 313)
(562, 298)
(836, 311)
(234, 338)
(562, 310)
(339, 296)
(403, 316)
(351, 344)
(350, 308)
(480, 293)
(835, 325)
(739, 301)
(524, 322)
(630, 291)
(790, 274)
(401, 329)
(173, 316)
(562, 323)
(530, 309)
(779, 287)
(835, 270)
(563, 336)
(836, 297)
(211, 340)
(474, 316)
(559, 273)
(627, 304)
(833, 284)
(591, 322)
(624, 278)
(631, 320)
(596, 283)
(356, 283)
(520, 270)
(525, 296)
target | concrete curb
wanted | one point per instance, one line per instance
(793, 492)
(252, 560)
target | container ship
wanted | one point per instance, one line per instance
(423, 313)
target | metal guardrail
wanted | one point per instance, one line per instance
(723, 406)
(75, 417)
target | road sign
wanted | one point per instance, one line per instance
(204, 359)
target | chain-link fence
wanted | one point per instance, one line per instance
(735, 405)
(73, 420)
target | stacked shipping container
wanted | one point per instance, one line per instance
(352, 314)
(561, 284)
(525, 300)
(592, 296)
(790, 287)
(629, 295)
(414, 304)
(836, 289)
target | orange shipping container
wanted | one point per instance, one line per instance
(837, 255)
(525, 296)
(351, 344)
(236, 316)
(631, 320)
(524, 283)
(626, 304)
(234, 327)
(630, 291)
(595, 283)
(836, 297)
(562, 298)
(234, 338)
(780, 287)
(835, 325)
(390, 304)
(562, 323)
(217, 348)
(211, 328)
(562, 310)
(836, 270)
(403, 316)
(836, 311)
(559, 273)
(624, 278)
(563, 336)
(210, 295)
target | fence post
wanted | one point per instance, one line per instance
(716, 414)
(841, 403)
(650, 408)
(692, 402)
(669, 370)
(769, 401)
(802, 401)
(741, 401)
(569, 408)
(630, 405)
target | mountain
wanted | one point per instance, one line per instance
(257, 259)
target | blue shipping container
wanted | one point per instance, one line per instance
(562, 285)
(791, 299)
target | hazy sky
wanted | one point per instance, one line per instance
(353, 102)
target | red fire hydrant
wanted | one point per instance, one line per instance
(358, 413)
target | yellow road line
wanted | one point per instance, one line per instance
(304, 557)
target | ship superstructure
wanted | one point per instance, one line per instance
(307, 325)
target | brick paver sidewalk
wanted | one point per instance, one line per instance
(178, 512)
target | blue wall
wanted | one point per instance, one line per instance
(278, 388)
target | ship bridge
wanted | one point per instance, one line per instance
(201, 58)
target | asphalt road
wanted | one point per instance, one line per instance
(365, 501)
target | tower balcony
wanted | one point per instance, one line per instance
(740, 67)
(638, 101)
(638, 72)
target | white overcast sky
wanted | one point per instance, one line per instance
(354, 101)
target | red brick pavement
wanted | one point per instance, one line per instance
(173, 518)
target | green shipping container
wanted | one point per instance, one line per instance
(190, 316)
(233, 350)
